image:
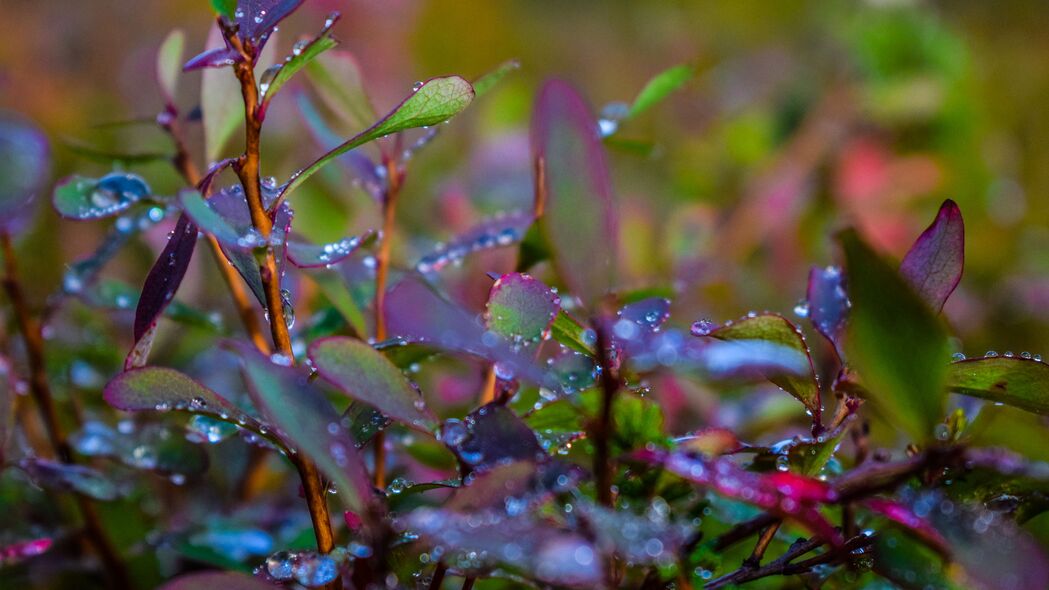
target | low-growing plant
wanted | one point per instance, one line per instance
(560, 473)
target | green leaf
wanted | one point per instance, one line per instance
(661, 86)
(895, 342)
(566, 330)
(277, 76)
(488, 81)
(225, 8)
(521, 308)
(169, 63)
(1016, 381)
(436, 101)
(337, 77)
(777, 330)
(333, 286)
(364, 374)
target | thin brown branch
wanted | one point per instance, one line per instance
(247, 169)
(40, 388)
(762, 545)
(784, 566)
(468, 583)
(382, 269)
(438, 576)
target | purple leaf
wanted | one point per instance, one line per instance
(648, 539)
(63, 476)
(636, 323)
(22, 550)
(78, 197)
(934, 264)
(364, 374)
(219, 57)
(502, 230)
(213, 580)
(25, 165)
(786, 495)
(578, 215)
(828, 303)
(545, 552)
(521, 308)
(306, 255)
(258, 18)
(902, 514)
(490, 435)
(159, 289)
(285, 395)
(415, 313)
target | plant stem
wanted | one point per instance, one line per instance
(762, 545)
(382, 269)
(603, 430)
(438, 576)
(468, 583)
(783, 565)
(40, 388)
(247, 169)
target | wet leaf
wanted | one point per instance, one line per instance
(521, 308)
(159, 289)
(903, 515)
(1016, 381)
(76, 478)
(827, 303)
(513, 487)
(169, 64)
(566, 330)
(490, 80)
(78, 197)
(213, 580)
(500, 231)
(277, 76)
(224, 8)
(25, 165)
(337, 77)
(775, 329)
(636, 323)
(536, 548)
(895, 342)
(306, 255)
(364, 374)
(661, 86)
(934, 264)
(153, 447)
(415, 313)
(286, 397)
(436, 101)
(644, 539)
(490, 435)
(786, 495)
(578, 214)
(256, 19)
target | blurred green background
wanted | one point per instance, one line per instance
(803, 117)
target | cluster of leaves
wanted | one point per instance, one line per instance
(561, 473)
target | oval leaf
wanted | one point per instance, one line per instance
(305, 255)
(364, 374)
(777, 330)
(1016, 381)
(169, 64)
(277, 76)
(578, 219)
(895, 342)
(828, 303)
(502, 230)
(521, 308)
(934, 264)
(78, 197)
(436, 101)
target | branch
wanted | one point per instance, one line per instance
(40, 388)
(783, 565)
(602, 431)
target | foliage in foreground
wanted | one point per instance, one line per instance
(560, 474)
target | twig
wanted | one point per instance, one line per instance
(438, 576)
(783, 565)
(247, 168)
(762, 545)
(468, 583)
(40, 388)
(382, 269)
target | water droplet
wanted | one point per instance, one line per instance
(801, 309)
(703, 327)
